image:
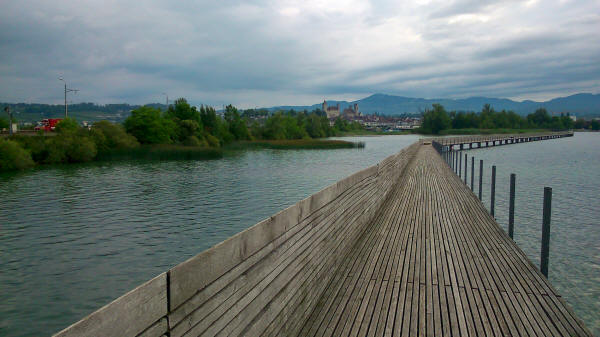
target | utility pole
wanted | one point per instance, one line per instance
(67, 90)
(167, 107)
(7, 109)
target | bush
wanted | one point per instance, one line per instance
(70, 148)
(212, 141)
(109, 136)
(13, 156)
(67, 125)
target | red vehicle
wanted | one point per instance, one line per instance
(48, 124)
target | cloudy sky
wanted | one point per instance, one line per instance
(264, 53)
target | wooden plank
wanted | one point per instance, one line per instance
(128, 315)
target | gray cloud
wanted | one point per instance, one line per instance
(263, 52)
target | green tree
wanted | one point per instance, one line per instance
(67, 125)
(436, 120)
(237, 126)
(182, 110)
(540, 118)
(148, 126)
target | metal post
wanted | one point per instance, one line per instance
(472, 172)
(67, 90)
(460, 165)
(480, 177)
(66, 108)
(493, 192)
(511, 206)
(546, 231)
(466, 169)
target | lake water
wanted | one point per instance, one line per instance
(73, 238)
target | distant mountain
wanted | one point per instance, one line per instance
(579, 104)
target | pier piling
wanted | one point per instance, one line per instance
(546, 231)
(493, 191)
(472, 172)
(511, 206)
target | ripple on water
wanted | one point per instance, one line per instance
(72, 238)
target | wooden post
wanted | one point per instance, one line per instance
(472, 172)
(546, 231)
(511, 206)
(466, 169)
(493, 192)
(480, 177)
(460, 164)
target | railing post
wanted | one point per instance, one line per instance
(546, 231)
(511, 206)
(466, 169)
(454, 161)
(460, 164)
(480, 177)
(493, 192)
(472, 172)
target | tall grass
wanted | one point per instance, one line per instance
(291, 144)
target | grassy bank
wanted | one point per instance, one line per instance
(293, 144)
(162, 152)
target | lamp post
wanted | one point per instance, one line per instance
(67, 90)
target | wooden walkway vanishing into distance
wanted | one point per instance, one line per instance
(401, 248)
(435, 263)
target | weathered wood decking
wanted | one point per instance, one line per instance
(435, 263)
(402, 248)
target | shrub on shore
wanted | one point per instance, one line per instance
(13, 156)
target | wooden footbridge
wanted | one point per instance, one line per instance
(403, 248)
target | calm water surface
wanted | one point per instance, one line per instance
(74, 238)
(571, 167)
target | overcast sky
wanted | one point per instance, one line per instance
(265, 53)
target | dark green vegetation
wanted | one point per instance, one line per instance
(180, 132)
(304, 144)
(438, 121)
(3, 123)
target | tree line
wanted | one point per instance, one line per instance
(438, 121)
(180, 124)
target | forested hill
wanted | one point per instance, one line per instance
(26, 112)
(580, 104)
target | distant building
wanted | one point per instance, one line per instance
(331, 111)
(351, 112)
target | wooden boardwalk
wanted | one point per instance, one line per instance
(434, 262)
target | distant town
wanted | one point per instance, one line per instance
(378, 112)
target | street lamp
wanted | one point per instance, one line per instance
(67, 90)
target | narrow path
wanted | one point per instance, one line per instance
(435, 263)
